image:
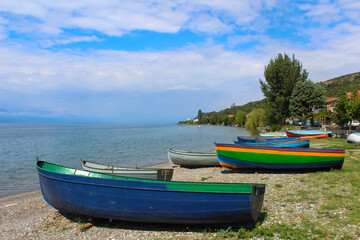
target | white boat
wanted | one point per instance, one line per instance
(146, 173)
(354, 138)
(193, 159)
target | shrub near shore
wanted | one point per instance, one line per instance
(324, 205)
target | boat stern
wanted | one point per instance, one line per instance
(258, 194)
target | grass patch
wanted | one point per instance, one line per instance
(205, 178)
(280, 231)
(343, 191)
(330, 142)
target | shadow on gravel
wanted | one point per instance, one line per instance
(83, 220)
(300, 171)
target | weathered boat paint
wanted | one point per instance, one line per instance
(192, 159)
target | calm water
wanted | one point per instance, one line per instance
(121, 145)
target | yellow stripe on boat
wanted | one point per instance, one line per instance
(280, 152)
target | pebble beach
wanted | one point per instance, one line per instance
(28, 216)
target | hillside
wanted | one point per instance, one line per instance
(349, 82)
(333, 87)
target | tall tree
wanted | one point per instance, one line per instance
(199, 116)
(305, 97)
(281, 76)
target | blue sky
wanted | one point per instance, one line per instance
(160, 61)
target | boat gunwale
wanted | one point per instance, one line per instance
(126, 170)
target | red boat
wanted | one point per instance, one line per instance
(307, 134)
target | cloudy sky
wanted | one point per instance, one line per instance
(160, 61)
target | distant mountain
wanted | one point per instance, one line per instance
(348, 83)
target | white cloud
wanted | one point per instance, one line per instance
(116, 18)
(330, 47)
(193, 67)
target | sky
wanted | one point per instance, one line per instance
(110, 61)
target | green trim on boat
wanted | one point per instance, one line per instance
(266, 158)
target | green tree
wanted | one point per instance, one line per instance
(281, 76)
(231, 121)
(305, 98)
(256, 119)
(213, 118)
(354, 106)
(342, 106)
(223, 120)
(199, 117)
(240, 118)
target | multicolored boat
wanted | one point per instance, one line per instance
(297, 143)
(307, 134)
(144, 200)
(280, 159)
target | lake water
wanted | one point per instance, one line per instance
(116, 144)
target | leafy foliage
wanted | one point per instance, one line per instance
(354, 105)
(305, 98)
(240, 118)
(256, 119)
(343, 116)
(281, 75)
(347, 108)
(222, 117)
(276, 68)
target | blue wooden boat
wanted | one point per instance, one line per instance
(283, 144)
(263, 139)
(277, 139)
(144, 200)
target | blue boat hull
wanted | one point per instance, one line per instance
(281, 144)
(146, 201)
(263, 139)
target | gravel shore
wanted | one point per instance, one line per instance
(28, 216)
